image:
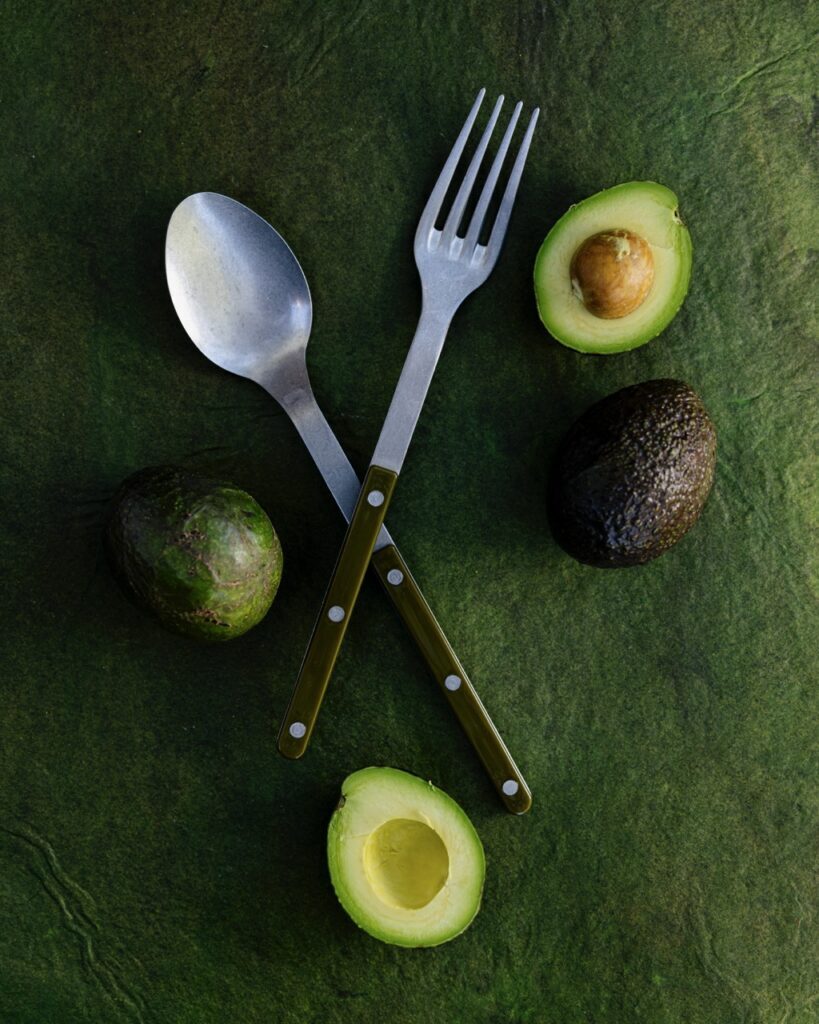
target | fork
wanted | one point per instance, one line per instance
(451, 266)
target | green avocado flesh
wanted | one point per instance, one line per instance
(405, 861)
(644, 208)
(202, 555)
(632, 474)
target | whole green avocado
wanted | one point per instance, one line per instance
(199, 553)
(632, 474)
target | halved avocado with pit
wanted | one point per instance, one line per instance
(614, 270)
(405, 861)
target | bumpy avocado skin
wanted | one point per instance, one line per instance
(202, 555)
(632, 474)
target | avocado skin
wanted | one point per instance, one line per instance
(201, 554)
(632, 474)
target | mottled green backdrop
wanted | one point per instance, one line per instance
(159, 863)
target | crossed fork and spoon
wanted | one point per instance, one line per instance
(242, 297)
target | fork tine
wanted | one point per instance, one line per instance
(491, 182)
(493, 246)
(459, 205)
(431, 210)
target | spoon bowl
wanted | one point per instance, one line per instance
(239, 291)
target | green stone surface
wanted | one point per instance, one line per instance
(159, 863)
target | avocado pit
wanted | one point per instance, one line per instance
(612, 273)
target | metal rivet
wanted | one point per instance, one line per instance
(510, 787)
(297, 730)
(452, 682)
(375, 498)
(336, 613)
(395, 576)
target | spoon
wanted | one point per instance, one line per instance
(244, 300)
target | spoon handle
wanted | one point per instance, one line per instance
(453, 681)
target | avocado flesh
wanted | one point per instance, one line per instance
(404, 859)
(633, 474)
(644, 208)
(201, 554)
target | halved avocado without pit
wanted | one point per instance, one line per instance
(613, 271)
(405, 861)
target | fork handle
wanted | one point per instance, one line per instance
(453, 681)
(336, 611)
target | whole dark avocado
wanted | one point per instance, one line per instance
(201, 554)
(632, 474)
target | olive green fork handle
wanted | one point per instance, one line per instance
(336, 611)
(452, 679)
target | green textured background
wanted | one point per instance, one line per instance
(159, 863)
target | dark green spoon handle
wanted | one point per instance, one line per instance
(449, 673)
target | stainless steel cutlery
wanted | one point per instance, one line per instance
(452, 263)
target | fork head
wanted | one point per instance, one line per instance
(451, 261)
